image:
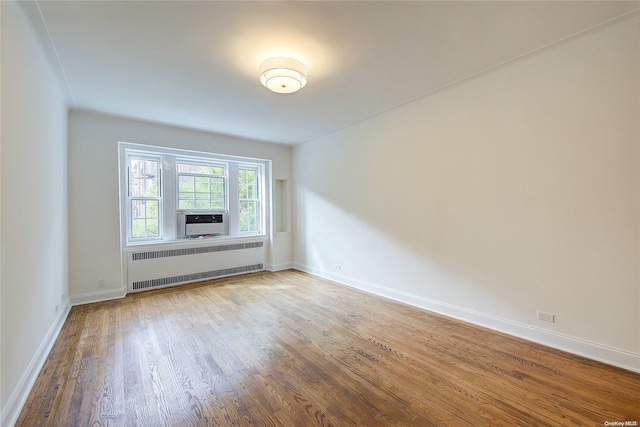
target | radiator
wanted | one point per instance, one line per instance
(167, 267)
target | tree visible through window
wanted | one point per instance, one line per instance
(249, 199)
(201, 187)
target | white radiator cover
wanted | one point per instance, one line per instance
(157, 268)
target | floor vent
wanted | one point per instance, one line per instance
(166, 281)
(169, 253)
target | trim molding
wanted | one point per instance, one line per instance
(98, 296)
(280, 267)
(602, 353)
(20, 394)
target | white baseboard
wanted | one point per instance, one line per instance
(98, 296)
(20, 394)
(592, 350)
(280, 267)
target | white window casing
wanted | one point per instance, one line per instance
(189, 182)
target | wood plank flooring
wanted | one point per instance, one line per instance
(290, 349)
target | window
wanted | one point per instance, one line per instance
(159, 186)
(144, 197)
(249, 199)
(201, 186)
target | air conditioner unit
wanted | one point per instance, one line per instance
(203, 224)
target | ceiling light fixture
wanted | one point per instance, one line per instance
(283, 75)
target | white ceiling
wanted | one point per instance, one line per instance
(195, 64)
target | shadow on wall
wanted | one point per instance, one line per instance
(502, 195)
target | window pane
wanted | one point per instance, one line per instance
(144, 178)
(200, 169)
(217, 187)
(138, 228)
(201, 192)
(137, 209)
(144, 193)
(135, 187)
(202, 184)
(146, 227)
(249, 200)
(186, 204)
(145, 219)
(203, 204)
(186, 183)
(153, 227)
(151, 208)
(248, 216)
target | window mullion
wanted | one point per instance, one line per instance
(169, 193)
(233, 202)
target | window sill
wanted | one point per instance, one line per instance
(159, 244)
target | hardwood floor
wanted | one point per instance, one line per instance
(290, 349)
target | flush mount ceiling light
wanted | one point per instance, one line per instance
(283, 75)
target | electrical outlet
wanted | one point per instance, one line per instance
(101, 283)
(547, 317)
(338, 267)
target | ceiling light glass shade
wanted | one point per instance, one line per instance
(283, 75)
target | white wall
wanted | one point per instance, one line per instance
(511, 192)
(34, 210)
(94, 235)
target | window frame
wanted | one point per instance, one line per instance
(134, 155)
(200, 162)
(257, 200)
(169, 190)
